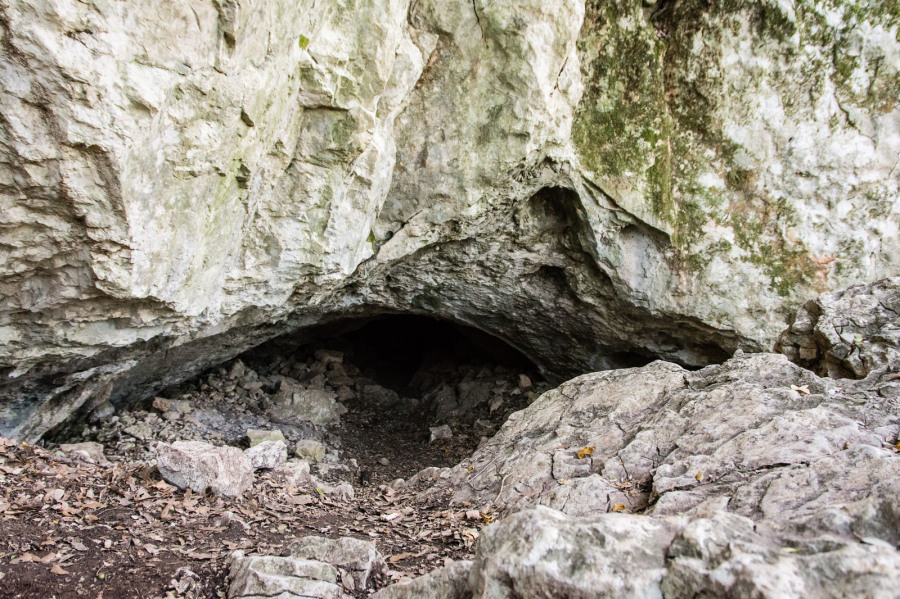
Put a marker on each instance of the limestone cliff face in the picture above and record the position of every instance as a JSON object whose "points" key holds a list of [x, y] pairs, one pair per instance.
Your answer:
{"points": [[182, 180]]}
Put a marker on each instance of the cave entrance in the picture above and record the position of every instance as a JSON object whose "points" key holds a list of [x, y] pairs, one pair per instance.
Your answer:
{"points": [[406, 381], [369, 400]]}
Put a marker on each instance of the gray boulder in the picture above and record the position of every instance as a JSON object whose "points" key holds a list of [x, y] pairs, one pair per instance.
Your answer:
{"points": [[449, 582], [357, 560], [769, 438], [197, 465], [849, 333], [272, 577]]}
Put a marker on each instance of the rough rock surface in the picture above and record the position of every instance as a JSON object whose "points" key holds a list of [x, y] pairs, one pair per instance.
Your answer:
{"points": [[755, 478], [269, 576], [449, 582], [268, 454], [358, 561], [765, 436], [180, 183], [196, 465], [541, 552], [848, 333]]}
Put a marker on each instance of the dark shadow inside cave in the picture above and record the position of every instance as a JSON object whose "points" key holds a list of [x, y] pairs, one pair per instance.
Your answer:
{"points": [[397, 351]]}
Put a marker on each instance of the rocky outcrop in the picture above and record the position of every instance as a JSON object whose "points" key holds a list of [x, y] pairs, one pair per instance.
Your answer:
{"points": [[757, 435], [848, 333], [543, 553], [754, 478], [179, 184]]}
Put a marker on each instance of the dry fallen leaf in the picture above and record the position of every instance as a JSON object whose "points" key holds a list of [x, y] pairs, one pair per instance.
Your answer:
{"points": [[57, 570], [619, 507], [583, 453], [399, 557]]}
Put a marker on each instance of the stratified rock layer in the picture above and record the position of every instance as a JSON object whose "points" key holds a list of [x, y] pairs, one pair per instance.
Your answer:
{"points": [[848, 333], [757, 434], [594, 183]]}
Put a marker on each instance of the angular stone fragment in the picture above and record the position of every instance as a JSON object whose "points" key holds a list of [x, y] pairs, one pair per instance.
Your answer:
{"points": [[269, 576], [449, 582], [140, 430], [259, 436], [268, 454], [197, 465], [356, 559], [88, 451], [311, 450], [294, 474], [293, 403], [439, 433]]}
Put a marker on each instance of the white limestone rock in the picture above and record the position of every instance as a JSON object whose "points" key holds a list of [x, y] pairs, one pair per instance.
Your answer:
{"points": [[267, 455], [197, 465], [258, 576], [358, 561], [218, 175]]}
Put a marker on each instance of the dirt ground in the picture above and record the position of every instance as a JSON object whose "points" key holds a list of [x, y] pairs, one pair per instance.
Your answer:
{"points": [[69, 529]]}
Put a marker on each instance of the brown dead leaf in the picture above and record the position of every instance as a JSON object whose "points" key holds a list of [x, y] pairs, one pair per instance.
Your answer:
{"points": [[56, 569], [399, 557], [50, 557], [25, 558]]}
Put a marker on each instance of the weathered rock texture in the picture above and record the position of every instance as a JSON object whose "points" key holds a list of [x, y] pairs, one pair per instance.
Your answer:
{"points": [[758, 435], [849, 333], [754, 478], [586, 180], [543, 553], [195, 465]]}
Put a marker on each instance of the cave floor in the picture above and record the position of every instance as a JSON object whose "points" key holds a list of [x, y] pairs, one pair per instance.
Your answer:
{"points": [[74, 529]]}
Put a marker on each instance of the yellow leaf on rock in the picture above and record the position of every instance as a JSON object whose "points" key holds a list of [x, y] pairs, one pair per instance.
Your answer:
{"points": [[619, 507], [583, 453], [699, 476]]}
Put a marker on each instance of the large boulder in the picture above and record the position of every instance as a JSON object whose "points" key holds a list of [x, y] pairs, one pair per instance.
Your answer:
{"points": [[848, 333], [196, 465], [758, 433], [592, 182], [541, 552]]}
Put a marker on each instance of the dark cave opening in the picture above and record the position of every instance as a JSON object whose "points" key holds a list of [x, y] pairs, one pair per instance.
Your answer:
{"points": [[396, 350], [372, 391]]}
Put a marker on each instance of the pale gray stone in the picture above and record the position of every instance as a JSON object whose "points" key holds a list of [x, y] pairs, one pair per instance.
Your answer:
{"points": [[294, 474], [848, 333], [448, 582], [356, 559], [440, 433], [256, 436], [267, 455], [310, 450], [197, 465], [87, 451], [269, 576]]}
